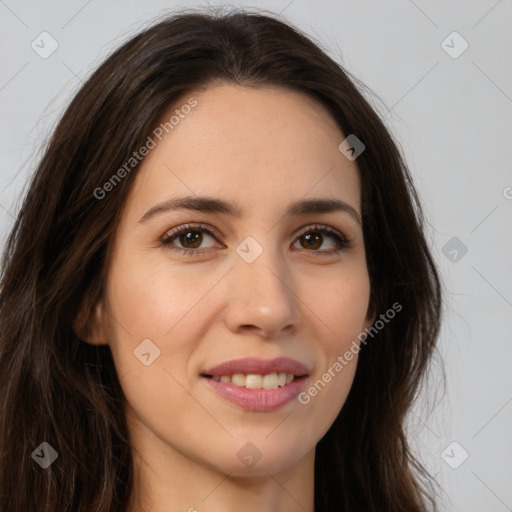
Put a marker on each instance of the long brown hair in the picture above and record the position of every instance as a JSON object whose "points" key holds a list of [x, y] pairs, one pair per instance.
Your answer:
{"points": [[55, 388]]}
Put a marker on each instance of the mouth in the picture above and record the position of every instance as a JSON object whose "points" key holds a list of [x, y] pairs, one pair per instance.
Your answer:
{"points": [[256, 381], [257, 384]]}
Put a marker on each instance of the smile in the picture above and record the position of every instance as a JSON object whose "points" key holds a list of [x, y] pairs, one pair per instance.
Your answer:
{"points": [[255, 381], [257, 384]]}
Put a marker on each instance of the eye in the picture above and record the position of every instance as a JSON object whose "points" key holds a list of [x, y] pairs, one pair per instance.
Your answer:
{"points": [[189, 236], [192, 236], [313, 238]]}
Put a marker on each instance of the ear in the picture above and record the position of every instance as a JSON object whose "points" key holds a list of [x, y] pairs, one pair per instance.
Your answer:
{"points": [[89, 323], [370, 318]]}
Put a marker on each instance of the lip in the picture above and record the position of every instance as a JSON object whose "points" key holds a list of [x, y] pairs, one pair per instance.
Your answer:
{"points": [[258, 400], [259, 366]]}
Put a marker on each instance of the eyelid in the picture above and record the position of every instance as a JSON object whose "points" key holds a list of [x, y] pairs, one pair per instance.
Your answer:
{"points": [[344, 242], [184, 228], [321, 228], [192, 226]]}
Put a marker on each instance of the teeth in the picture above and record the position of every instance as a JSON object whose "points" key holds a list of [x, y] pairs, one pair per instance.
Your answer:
{"points": [[238, 379], [255, 381], [270, 381]]}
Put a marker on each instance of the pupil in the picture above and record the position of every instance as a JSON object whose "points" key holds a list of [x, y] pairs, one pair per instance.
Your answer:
{"points": [[312, 239], [192, 237]]}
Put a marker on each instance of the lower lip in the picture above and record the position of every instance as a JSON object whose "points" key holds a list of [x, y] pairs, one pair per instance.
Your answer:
{"points": [[262, 400]]}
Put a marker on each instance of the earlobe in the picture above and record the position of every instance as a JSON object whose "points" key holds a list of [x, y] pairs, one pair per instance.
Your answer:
{"points": [[89, 326], [369, 319]]}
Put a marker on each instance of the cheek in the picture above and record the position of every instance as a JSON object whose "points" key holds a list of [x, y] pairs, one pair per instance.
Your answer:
{"points": [[151, 297], [343, 307], [341, 311], [152, 333], [152, 309], [342, 304]]}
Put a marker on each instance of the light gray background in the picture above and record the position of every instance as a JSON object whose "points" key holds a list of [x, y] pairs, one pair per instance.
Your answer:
{"points": [[452, 117]]}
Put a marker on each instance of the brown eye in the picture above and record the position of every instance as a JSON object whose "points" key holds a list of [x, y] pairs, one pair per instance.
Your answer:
{"points": [[312, 241], [189, 237], [314, 237]]}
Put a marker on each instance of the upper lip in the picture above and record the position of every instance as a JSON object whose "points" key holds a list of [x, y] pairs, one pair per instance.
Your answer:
{"points": [[259, 367]]}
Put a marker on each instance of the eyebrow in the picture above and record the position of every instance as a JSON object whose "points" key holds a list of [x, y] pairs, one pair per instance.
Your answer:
{"points": [[219, 206]]}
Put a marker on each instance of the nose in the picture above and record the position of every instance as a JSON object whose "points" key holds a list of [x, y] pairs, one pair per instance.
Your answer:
{"points": [[262, 297]]}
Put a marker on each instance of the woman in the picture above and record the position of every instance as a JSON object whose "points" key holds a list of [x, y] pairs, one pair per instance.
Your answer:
{"points": [[217, 293]]}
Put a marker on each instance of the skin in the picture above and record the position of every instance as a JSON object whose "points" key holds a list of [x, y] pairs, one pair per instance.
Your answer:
{"points": [[261, 148]]}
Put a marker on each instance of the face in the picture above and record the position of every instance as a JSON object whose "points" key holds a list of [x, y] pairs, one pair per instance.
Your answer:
{"points": [[210, 312]]}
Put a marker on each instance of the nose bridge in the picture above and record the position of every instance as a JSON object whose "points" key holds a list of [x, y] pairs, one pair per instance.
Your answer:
{"points": [[261, 288]]}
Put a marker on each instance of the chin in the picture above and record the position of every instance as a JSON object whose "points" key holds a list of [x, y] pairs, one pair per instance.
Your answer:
{"points": [[257, 456]]}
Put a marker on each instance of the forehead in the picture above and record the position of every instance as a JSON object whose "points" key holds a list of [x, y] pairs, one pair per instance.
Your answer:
{"points": [[250, 145]]}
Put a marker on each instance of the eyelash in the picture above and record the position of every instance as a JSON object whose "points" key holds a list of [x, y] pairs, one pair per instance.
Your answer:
{"points": [[341, 241]]}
